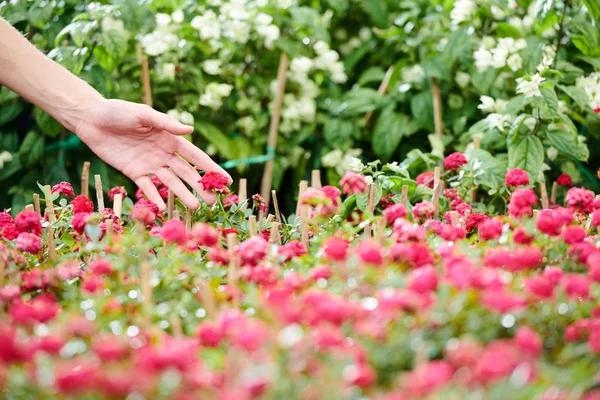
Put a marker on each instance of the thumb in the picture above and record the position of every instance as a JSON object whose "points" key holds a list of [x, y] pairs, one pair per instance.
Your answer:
{"points": [[165, 122]]}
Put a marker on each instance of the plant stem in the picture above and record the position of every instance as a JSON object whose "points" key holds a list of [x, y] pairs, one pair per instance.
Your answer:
{"points": [[561, 31]]}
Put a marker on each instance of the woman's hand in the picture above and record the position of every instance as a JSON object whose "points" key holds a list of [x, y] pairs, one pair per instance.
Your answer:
{"points": [[137, 140]]}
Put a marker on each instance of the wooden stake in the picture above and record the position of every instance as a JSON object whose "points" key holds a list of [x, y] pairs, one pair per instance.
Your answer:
{"points": [[85, 179], [476, 142], [315, 179], [99, 192], [304, 214], [554, 192], [276, 206], [29, 207], [267, 178], [303, 187], [252, 225], [36, 204], [170, 204], [544, 195], [243, 193], [437, 188], [379, 231], [147, 97], [383, 87], [188, 219], [270, 218], [404, 199], [118, 205], [437, 107], [146, 287], [232, 273], [176, 328], [2, 268], [49, 204], [454, 218], [371, 192], [176, 214], [110, 226], [274, 237], [50, 231], [207, 297]]}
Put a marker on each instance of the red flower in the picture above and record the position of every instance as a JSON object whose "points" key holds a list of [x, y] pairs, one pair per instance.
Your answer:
{"points": [[41, 309], [79, 221], [93, 284], [577, 285], [82, 204], [335, 249], [101, 266], [521, 202], [540, 286], [143, 215], [210, 334], [475, 221], [564, 180], [75, 377], [520, 236], [29, 243], [516, 177], [580, 199], [218, 255], [253, 250], [423, 210], [227, 231], [455, 161], [490, 229], [117, 190], [426, 178], [370, 252], [530, 341], [393, 212], [292, 250], [5, 219], [173, 231], [415, 254], [28, 221], [230, 200], [10, 232], [332, 194], [353, 183], [63, 188], [215, 181], [205, 235], [260, 203], [574, 234], [361, 375], [423, 280], [427, 378]]}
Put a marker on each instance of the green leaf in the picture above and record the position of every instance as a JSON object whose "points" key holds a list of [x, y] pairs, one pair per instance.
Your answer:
{"points": [[363, 198], [289, 47], [550, 96], [578, 95], [591, 60], [360, 101], [594, 8], [526, 153], [421, 107], [494, 169], [504, 29], [542, 7], [32, 148], [338, 132], [47, 124], [565, 142], [388, 132], [8, 112], [11, 168], [516, 104], [373, 74], [79, 31], [351, 60], [41, 12], [483, 81], [7, 95], [378, 11], [338, 6]]}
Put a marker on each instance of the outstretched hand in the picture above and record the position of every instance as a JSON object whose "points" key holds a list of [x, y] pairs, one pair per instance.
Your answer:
{"points": [[137, 140]]}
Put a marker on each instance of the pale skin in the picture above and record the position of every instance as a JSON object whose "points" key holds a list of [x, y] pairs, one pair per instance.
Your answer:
{"points": [[133, 138]]}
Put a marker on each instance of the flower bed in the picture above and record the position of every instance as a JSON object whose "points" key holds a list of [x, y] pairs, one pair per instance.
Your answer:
{"points": [[400, 291]]}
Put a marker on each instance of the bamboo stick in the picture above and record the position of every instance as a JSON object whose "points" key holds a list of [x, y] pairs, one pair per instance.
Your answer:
{"points": [[554, 192], [176, 327], [383, 87], [50, 231], [303, 186], [454, 218], [2, 268], [188, 219], [49, 203], [437, 188], [147, 96], [36, 204], [304, 214], [85, 179], [232, 273], [110, 226], [146, 287], [274, 237], [267, 178], [270, 218], [118, 204], [404, 199], [170, 204], [276, 206], [476, 142], [99, 192], [252, 225], [544, 195], [315, 179], [437, 107], [29, 207], [371, 192], [176, 214], [243, 193], [207, 297]]}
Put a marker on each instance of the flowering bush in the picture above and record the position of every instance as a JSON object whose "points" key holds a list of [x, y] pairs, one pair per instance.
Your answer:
{"points": [[389, 294], [518, 75]]}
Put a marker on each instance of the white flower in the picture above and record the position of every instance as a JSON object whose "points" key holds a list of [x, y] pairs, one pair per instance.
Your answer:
{"points": [[234, 10], [530, 88], [356, 165], [365, 34], [212, 67], [463, 10], [247, 123], [284, 3], [157, 42], [530, 123], [507, 44], [333, 158], [325, 60], [591, 85], [483, 59], [263, 19], [167, 71], [496, 121], [163, 20], [208, 25], [321, 47], [520, 44], [497, 13], [5, 158], [512, 4], [173, 113], [178, 16], [369, 180], [270, 32], [415, 73], [516, 22], [462, 79], [338, 75], [310, 89], [487, 42], [213, 96], [301, 65], [307, 109], [239, 31], [514, 62], [110, 24], [501, 106], [186, 118], [487, 105], [499, 55], [262, 3]]}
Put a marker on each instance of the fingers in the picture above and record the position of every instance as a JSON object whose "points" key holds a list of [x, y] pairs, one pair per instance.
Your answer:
{"points": [[165, 122], [168, 178], [150, 191], [199, 158], [189, 174]]}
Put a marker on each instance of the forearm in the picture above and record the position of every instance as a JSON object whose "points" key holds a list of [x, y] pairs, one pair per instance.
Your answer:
{"points": [[43, 82]]}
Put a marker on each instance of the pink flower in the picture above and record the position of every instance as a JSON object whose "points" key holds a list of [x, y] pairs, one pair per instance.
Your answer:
{"points": [[117, 190], [292, 250], [69, 270], [370, 252], [333, 194], [335, 249], [423, 280], [423, 210], [551, 222], [353, 183], [101, 266], [322, 271], [577, 285], [230, 200], [218, 255], [110, 348], [455, 161], [427, 378], [173, 231], [143, 215], [594, 342], [253, 250], [530, 341], [490, 229], [5, 219], [474, 221], [451, 194], [595, 219], [516, 177], [521, 202], [260, 203], [35, 278], [12, 349], [79, 221], [394, 212], [215, 181], [574, 234], [314, 197], [75, 377], [564, 180], [499, 360], [41, 309], [414, 254], [63, 188], [28, 221], [580, 199], [210, 334], [93, 284], [143, 202], [361, 375], [82, 204], [29, 243], [540, 286], [10, 232], [50, 344], [554, 274], [502, 301], [426, 178], [205, 235]]}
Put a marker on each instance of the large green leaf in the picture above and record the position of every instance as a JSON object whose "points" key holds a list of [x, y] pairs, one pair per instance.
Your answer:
{"points": [[494, 168], [421, 107], [338, 132], [377, 10], [593, 7], [47, 124], [32, 148], [8, 112], [80, 31], [362, 199], [550, 96], [459, 42], [578, 95], [373, 74], [389, 130], [526, 153], [567, 143], [361, 101]]}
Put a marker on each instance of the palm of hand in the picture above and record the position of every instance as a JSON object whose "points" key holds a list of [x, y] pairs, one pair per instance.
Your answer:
{"points": [[139, 141]]}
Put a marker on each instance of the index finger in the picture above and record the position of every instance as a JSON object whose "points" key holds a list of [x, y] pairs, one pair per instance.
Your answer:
{"points": [[199, 158]]}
